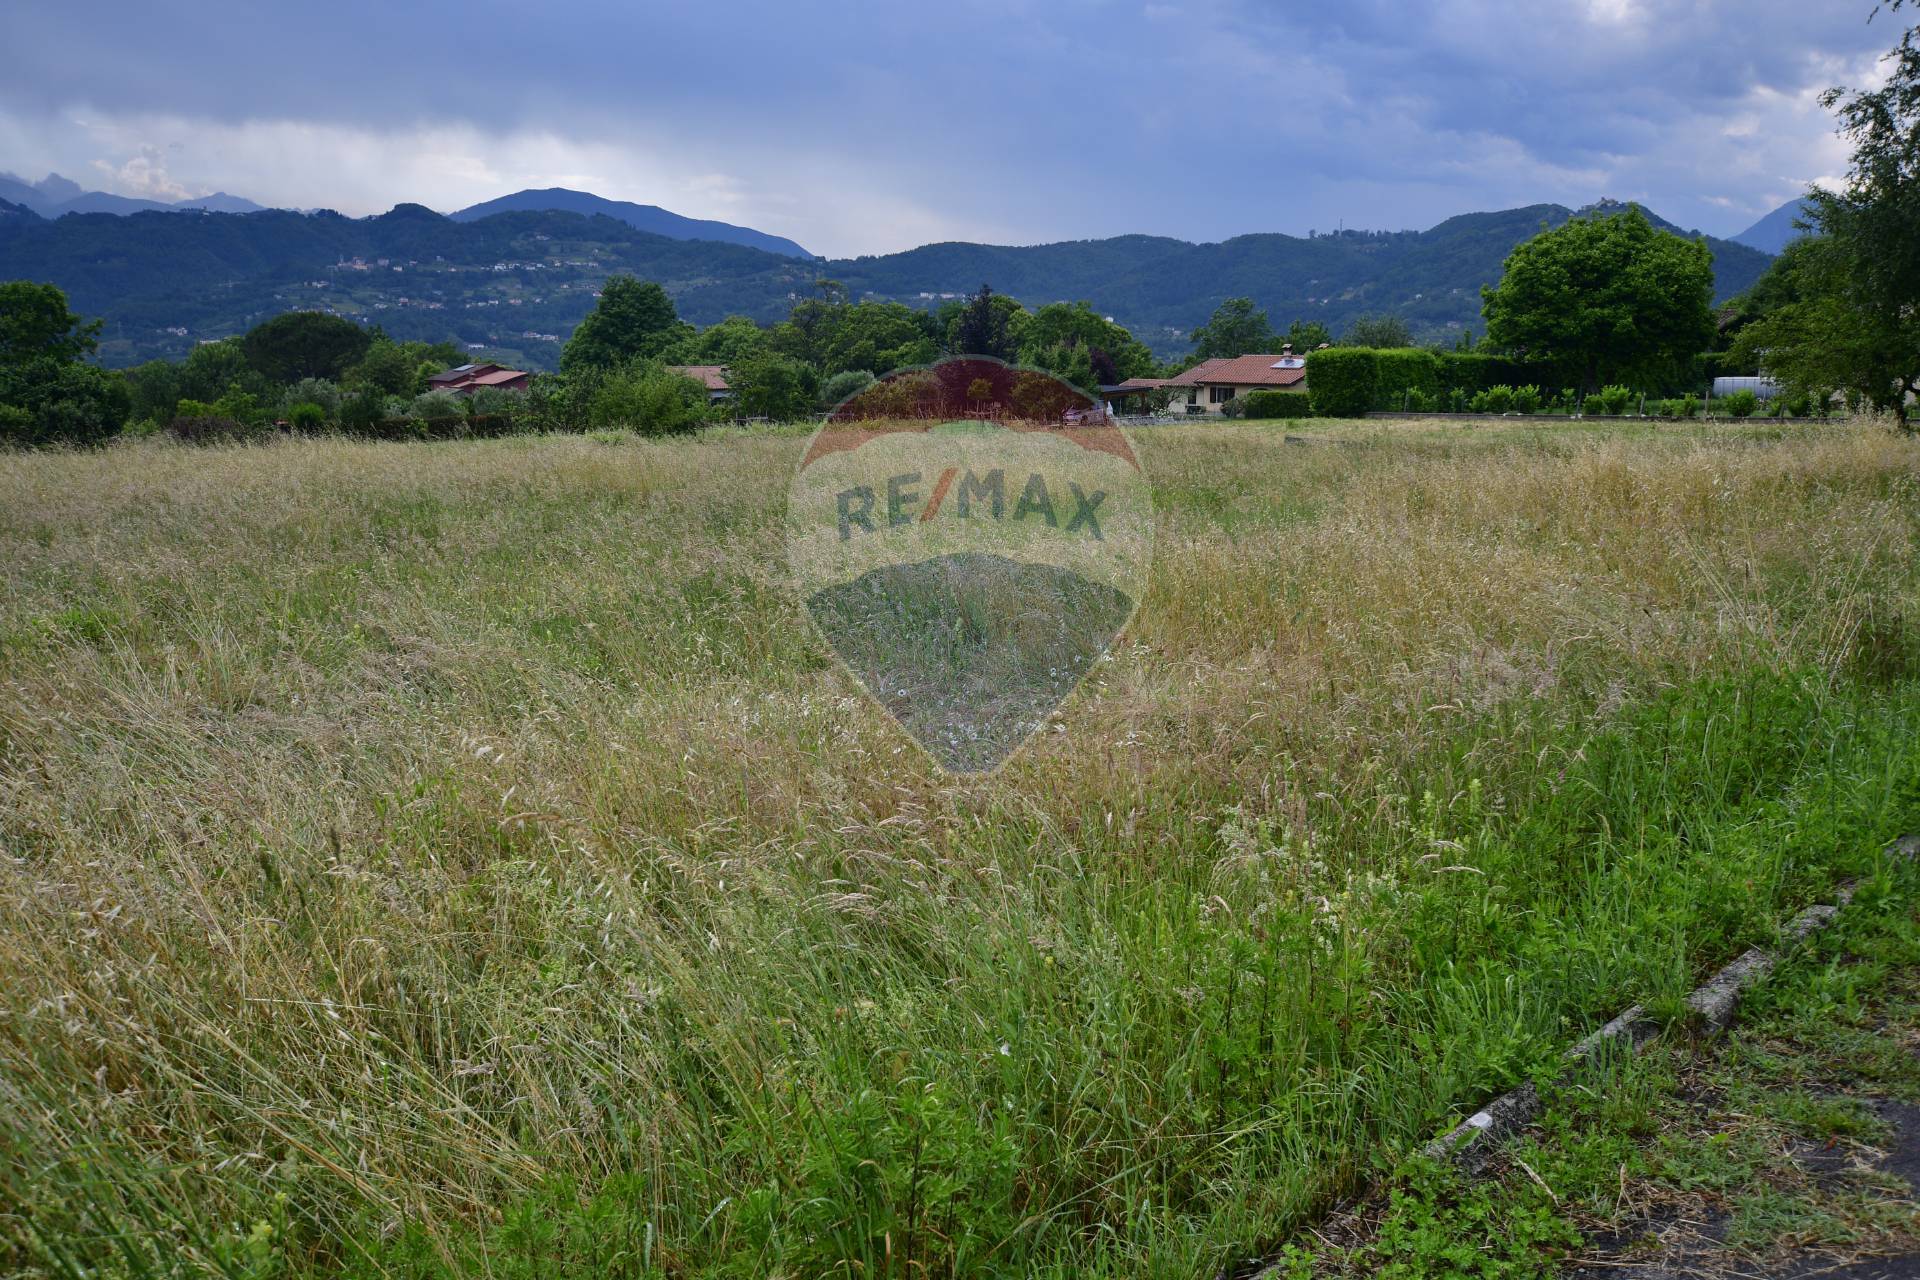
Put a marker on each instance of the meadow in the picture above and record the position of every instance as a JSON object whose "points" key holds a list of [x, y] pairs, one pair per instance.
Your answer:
{"points": [[465, 858]]}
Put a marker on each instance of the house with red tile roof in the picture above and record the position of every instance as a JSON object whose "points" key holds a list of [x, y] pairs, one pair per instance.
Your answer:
{"points": [[464, 380], [711, 376], [1211, 385]]}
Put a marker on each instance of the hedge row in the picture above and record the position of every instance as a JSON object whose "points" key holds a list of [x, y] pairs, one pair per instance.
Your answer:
{"points": [[1276, 404], [1346, 382]]}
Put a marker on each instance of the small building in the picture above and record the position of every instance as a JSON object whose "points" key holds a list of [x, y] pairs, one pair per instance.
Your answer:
{"points": [[711, 376], [1762, 388], [1211, 385], [464, 380], [1135, 395]]}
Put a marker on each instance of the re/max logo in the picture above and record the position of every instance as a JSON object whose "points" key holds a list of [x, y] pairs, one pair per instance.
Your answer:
{"points": [[904, 505]]}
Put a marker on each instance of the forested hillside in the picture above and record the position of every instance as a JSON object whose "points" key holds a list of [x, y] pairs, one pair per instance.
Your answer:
{"points": [[516, 283]]}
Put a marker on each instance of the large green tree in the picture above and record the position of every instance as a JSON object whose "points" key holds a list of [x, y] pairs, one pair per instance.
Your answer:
{"points": [[733, 339], [833, 335], [1112, 353], [212, 367], [1308, 335], [399, 368], [878, 336], [633, 320], [1823, 340], [1379, 332], [48, 392], [1843, 313], [769, 385], [985, 327], [1069, 362], [304, 344], [1606, 299], [1236, 328], [37, 324]]}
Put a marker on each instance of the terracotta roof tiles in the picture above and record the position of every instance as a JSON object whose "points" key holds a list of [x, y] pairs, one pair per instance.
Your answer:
{"points": [[1245, 371]]}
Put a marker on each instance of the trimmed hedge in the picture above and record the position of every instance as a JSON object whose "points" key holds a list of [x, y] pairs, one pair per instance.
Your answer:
{"points": [[1346, 382], [1342, 381], [1473, 372], [1276, 404], [1404, 370]]}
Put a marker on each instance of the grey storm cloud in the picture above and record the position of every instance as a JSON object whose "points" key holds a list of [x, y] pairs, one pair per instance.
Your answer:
{"points": [[1027, 120]]}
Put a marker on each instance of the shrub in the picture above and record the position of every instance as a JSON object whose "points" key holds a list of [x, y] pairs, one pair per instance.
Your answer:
{"points": [[1457, 400], [1799, 406], [1034, 396], [1687, 406], [1741, 404], [306, 416], [848, 382], [311, 391], [488, 402], [1415, 402], [1494, 400], [557, 401], [1277, 404], [647, 399], [1342, 381], [47, 401], [15, 423], [1526, 399], [1612, 399], [363, 410], [437, 404]]}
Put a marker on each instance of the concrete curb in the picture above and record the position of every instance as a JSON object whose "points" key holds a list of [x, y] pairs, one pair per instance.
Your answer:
{"points": [[1472, 1144]]}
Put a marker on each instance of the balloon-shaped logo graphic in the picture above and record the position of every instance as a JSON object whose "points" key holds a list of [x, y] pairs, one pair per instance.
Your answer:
{"points": [[970, 538]]}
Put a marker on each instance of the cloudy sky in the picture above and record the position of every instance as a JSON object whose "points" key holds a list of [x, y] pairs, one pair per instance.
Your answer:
{"points": [[871, 127]]}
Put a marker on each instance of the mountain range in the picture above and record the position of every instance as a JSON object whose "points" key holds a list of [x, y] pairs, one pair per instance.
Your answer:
{"points": [[54, 196], [645, 217], [513, 283], [1775, 231]]}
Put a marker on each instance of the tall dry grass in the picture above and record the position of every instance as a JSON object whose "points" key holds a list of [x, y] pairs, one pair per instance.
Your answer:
{"points": [[394, 835]]}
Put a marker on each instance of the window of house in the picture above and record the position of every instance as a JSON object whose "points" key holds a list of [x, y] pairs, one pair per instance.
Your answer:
{"points": [[1219, 395], [1193, 397]]}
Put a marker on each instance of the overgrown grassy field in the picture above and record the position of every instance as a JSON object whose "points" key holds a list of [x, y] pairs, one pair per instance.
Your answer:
{"points": [[465, 858]]}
